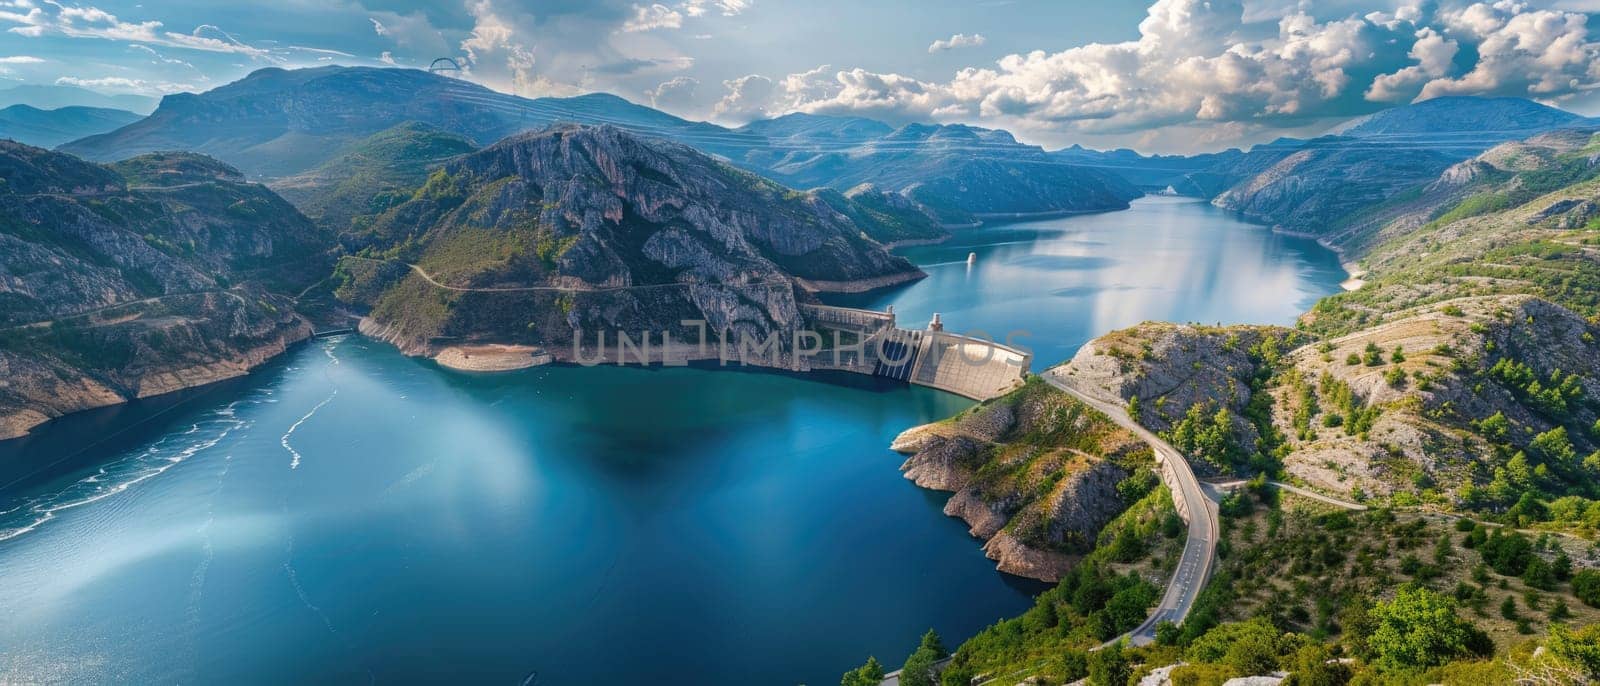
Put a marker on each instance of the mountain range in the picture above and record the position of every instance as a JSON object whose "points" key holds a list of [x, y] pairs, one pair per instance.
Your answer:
{"points": [[49, 128], [639, 233], [50, 97], [423, 180], [280, 124], [276, 123]]}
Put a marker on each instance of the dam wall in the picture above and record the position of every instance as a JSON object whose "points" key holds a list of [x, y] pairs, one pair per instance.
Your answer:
{"points": [[870, 342]]}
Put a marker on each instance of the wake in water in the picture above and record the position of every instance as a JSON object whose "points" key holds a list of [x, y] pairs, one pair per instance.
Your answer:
{"points": [[294, 455], [122, 474], [305, 599]]}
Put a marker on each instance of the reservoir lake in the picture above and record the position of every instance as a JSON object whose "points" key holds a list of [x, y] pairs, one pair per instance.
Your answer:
{"points": [[348, 514]]}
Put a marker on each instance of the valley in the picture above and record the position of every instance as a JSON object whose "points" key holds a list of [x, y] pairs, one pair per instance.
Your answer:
{"points": [[1195, 299]]}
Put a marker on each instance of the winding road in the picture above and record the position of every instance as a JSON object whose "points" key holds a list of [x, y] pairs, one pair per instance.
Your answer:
{"points": [[1199, 551], [559, 289]]}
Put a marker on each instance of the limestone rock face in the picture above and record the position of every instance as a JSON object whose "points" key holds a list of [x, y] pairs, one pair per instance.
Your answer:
{"points": [[1424, 422], [155, 274], [1308, 191], [1033, 473], [1170, 367], [644, 233]]}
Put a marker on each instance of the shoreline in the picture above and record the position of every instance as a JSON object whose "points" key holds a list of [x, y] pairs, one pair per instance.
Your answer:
{"points": [[492, 357], [861, 285], [914, 242], [1352, 269], [24, 421]]}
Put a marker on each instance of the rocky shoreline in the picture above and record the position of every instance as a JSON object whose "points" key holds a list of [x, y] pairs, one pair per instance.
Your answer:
{"points": [[862, 285], [1037, 504], [82, 393]]}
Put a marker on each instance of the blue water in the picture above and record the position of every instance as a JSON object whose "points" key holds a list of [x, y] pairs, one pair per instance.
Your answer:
{"points": [[1065, 281], [349, 515]]}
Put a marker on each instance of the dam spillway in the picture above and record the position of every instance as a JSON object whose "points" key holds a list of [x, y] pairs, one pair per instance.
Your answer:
{"points": [[870, 342]]}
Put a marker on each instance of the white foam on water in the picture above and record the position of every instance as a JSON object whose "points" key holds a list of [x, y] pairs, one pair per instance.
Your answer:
{"points": [[294, 455], [120, 475]]}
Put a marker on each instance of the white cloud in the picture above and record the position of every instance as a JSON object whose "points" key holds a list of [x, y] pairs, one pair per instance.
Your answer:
{"points": [[1540, 54], [93, 22], [121, 84], [21, 59], [675, 95], [728, 8], [387, 58], [1434, 55], [156, 57], [378, 27], [1200, 60], [748, 98], [652, 17], [493, 37], [960, 40]]}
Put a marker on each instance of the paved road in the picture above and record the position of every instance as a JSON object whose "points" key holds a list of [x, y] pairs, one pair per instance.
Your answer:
{"points": [[562, 289], [1345, 504], [1199, 551]]}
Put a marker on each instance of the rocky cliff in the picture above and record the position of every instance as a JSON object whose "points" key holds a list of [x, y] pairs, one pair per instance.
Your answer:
{"points": [[591, 229], [160, 273], [1161, 370], [1035, 474], [1313, 188]]}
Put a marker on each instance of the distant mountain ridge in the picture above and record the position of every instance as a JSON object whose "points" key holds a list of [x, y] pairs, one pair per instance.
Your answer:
{"points": [[1500, 119], [277, 123], [49, 128], [282, 123], [50, 97]]}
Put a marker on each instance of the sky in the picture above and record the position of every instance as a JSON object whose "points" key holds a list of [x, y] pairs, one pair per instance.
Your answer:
{"points": [[1171, 76]]}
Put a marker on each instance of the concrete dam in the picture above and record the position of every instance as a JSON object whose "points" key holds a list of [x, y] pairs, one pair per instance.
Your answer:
{"points": [[869, 342]]}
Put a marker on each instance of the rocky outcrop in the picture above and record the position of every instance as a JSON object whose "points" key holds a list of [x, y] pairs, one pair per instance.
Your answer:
{"points": [[1315, 188], [591, 231], [156, 274], [1034, 474], [1163, 369], [139, 351], [1391, 410]]}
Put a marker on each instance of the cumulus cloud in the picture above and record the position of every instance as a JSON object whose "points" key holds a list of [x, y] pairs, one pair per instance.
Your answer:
{"points": [[493, 45], [1435, 57], [748, 98], [1542, 53], [387, 58], [1203, 61], [675, 95], [652, 17], [960, 40], [411, 32], [576, 46]]}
